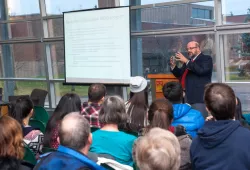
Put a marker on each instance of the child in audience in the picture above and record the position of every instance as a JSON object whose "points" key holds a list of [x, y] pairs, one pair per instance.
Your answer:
{"points": [[109, 140], [184, 114], [137, 105], [70, 102], [11, 145], [22, 111], [160, 115]]}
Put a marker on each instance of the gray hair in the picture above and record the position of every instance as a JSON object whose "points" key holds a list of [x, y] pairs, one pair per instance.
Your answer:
{"points": [[74, 131], [113, 111], [158, 149]]}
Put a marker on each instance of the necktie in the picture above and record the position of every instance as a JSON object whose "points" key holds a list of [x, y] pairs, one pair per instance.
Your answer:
{"points": [[183, 78]]}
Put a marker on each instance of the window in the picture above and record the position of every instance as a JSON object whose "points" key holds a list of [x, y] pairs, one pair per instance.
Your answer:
{"points": [[201, 13]]}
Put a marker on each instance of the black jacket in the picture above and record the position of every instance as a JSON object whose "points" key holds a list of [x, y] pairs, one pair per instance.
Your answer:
{"points": [[199, 74]]}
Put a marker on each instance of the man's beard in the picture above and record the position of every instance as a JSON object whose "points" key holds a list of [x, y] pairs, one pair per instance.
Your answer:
{"points": [[191, 55]]}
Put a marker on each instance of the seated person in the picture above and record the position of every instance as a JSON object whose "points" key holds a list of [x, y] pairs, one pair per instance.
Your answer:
{"points": [[184, 115], [75, 139], [109, 140], [91, 109], [159, 149], [22, 111], [70, 102], [11, 145], [136, 106], [160, 114], [222, 143]]}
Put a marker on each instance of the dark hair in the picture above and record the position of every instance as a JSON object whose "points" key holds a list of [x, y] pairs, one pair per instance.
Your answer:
{"points": [[173, 91], [21, 108], [220, 101], [138, 105], [160, 114], [70, 102], [96, 92], [113, 111], [75, 135]]}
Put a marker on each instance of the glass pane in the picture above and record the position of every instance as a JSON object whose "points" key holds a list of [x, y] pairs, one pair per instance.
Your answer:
{"points": [[23, 9], [236, 50], [55, 7], [23, 60], [156, 52], [55, 27], [29, 29], [169, 17], [235, 12], [243, 93], [61, 90], [11, 88], [57, 59]]}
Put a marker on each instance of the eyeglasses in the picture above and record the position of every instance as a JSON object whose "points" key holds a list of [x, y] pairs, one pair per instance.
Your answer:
{"points": [[190, 48]]}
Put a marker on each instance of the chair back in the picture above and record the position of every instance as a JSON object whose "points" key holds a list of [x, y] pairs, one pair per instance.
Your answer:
{"points": [[38, 97], [37, 124], [41, 114], [29, 155]]}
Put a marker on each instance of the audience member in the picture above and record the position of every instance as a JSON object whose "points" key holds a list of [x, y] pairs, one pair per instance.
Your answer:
{"points": [[137, 105], [22, 111], [184, 114], [157, 150], [109, 140], [11, 145], [90, 110], [75, 139], [239, 116], [160, 115], [222, 143], [70, 102]]}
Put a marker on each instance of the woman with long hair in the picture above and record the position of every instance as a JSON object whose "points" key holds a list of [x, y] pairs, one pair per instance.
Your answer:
{"points": [[22, 111], [11, 145], [160, 114], [137, 105], [70, 102]]}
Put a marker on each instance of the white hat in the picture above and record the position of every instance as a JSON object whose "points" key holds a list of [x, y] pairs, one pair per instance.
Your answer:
{"points": [[137, 84]]}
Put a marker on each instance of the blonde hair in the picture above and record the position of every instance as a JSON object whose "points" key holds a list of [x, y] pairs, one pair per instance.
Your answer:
{"points": [[11, 138], [158, 149]]}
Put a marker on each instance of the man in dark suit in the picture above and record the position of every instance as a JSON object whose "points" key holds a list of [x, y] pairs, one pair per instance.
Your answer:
{"points": [[194, 74]]}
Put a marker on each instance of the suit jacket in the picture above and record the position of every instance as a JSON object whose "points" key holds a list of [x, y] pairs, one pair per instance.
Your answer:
{"points": [[199, 74]]}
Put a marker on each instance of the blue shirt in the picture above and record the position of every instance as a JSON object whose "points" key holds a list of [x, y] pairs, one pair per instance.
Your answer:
{"points": [[117, 144]]}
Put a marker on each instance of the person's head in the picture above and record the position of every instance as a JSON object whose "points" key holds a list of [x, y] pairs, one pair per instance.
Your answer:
{"points": [[220, 101], [138, 101], [74, 132], [113, 111], [22, 108], [173, 92], [160, 114], [159, 149], [193, 48], [11, 138], [96, 93], [70, 102], [238, 112]]}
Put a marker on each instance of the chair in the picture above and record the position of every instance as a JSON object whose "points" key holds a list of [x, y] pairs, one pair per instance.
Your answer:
{"points": [[41, 114], [46, 150], [37, 124], [38, 97], [29, 155]]}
